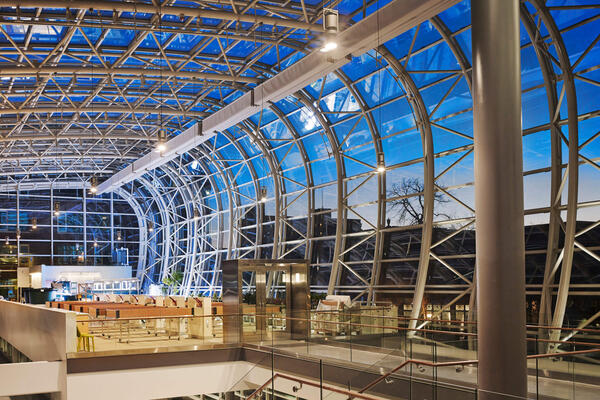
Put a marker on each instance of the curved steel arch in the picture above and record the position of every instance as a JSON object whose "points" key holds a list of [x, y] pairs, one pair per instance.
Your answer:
{"points": [[572, 172], [275, 170]]}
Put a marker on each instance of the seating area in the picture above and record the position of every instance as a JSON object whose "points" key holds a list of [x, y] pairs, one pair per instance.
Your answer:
{"points": [[130, 319]]}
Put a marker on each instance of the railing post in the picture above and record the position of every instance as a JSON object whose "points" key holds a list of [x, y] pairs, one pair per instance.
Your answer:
{"points": [[537, 371], [434, 372], [272, 372], [321, 378]]}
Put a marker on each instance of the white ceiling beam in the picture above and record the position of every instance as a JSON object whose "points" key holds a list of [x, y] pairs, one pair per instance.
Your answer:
{"points": [[387, 23], [43, 185]]}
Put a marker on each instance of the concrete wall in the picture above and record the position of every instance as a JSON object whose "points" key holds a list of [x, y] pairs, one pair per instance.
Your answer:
{"points": [[42, 334], [30, 378], [163, 382]]}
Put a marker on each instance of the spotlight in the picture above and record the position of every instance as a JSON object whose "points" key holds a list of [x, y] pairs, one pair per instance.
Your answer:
{"points": [[34, 224], [18, 234], [263, 194], [161, 146], [93, 187], [380, 163], [6, 241], [331, 20], [56, 209], [331, 24], [150, 227], [118, 235], [196, 215], [95, 244]]}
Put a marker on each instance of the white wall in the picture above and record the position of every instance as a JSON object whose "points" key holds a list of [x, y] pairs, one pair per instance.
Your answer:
{"points": [[42, 334], [189, 380], [153, 383], [30, 378], [80, 273]]}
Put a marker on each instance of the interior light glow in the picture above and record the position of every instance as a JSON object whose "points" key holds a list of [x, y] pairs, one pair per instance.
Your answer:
{"points": [[329, 46], [161, 147], [93, 187]]}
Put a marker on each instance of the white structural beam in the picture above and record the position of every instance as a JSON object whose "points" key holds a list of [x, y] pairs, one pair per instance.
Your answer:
{"points": [[43, 185], [387, 23]]}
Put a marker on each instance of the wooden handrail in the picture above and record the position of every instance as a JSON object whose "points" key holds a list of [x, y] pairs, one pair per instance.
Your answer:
{"points": [[309, 383], [455, 321], [467, 362], [274, 316], [360, 394]]}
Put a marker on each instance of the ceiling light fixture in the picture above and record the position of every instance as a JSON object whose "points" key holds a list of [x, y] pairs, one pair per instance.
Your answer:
{"points": [[94, 185], [161, 147], [34, 224], [331, 25], [380, 163], [56, 209], [263, 194]]}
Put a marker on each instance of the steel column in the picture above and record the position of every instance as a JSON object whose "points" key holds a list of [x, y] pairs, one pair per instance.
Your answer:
{"points": [[500, 248]]}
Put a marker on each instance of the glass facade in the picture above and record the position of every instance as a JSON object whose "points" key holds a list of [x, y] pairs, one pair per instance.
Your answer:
{"points": [[67, 227], [337, 172]]}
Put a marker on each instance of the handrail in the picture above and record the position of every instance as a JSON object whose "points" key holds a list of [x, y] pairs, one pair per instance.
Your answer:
{"points": [[466, 362], [398, 328], [309, 383], [561, 354], [398, 318], [546, 327], [416, 362], [347, 323], [360, 394]]}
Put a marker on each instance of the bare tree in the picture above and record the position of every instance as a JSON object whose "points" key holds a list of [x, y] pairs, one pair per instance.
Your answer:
{"points": [[408, 201]]}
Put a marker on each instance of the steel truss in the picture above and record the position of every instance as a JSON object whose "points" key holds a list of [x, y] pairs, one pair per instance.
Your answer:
{"points": [[206, 205]]}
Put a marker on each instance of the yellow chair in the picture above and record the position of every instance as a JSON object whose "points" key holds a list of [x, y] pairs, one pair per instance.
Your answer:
{"points": [[83, 340]]}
